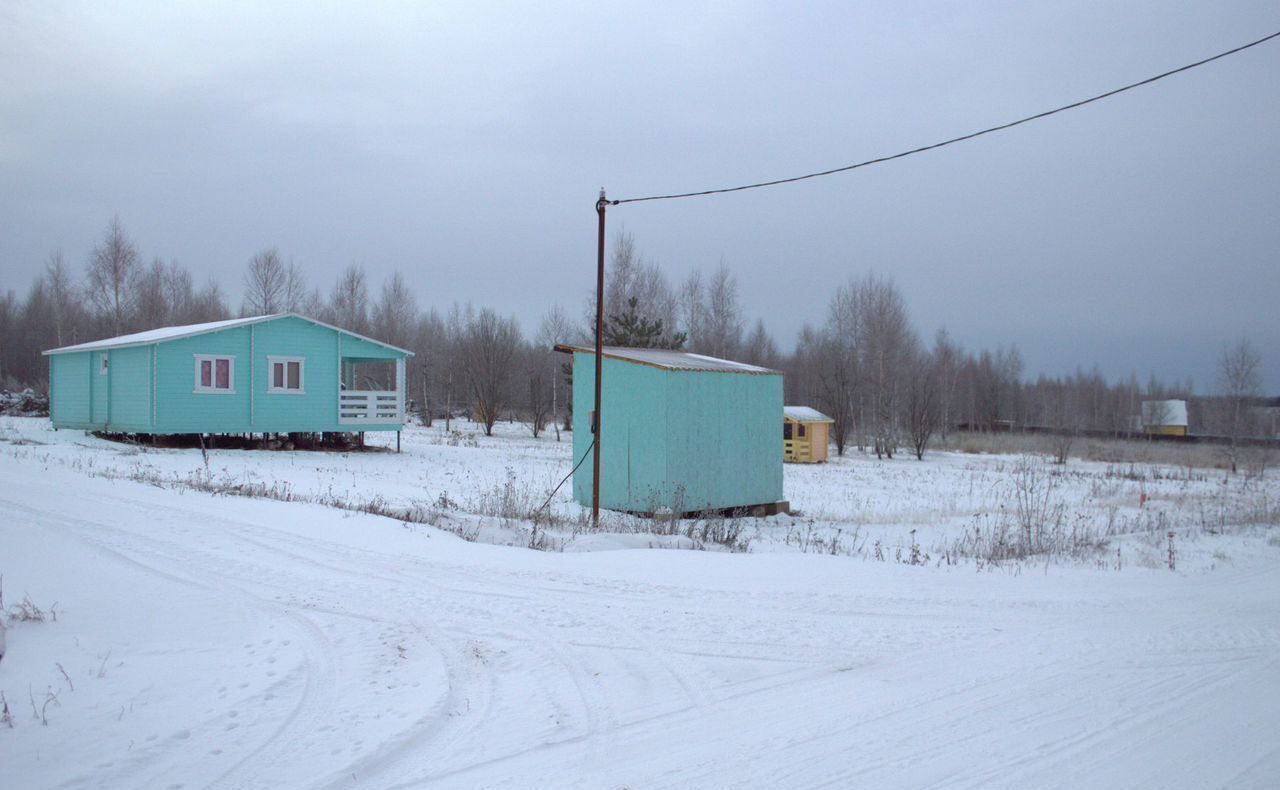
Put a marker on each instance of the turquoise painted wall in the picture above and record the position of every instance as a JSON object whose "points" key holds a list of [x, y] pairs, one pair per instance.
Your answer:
{"points": [[69, 389], [179, 409], [691, 440], [99, 409], [129, 383], [723, 440], [84, 399]]}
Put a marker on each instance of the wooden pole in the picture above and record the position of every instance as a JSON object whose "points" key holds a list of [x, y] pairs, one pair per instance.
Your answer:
{"points": [[596, 422]]}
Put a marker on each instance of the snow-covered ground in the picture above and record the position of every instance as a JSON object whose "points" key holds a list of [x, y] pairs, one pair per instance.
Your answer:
{"points": [[209, 640]]}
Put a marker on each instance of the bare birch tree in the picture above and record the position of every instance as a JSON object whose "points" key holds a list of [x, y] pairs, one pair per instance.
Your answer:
{"points": [[489, 347], [349, 303], [759, 348], [63, 300], [264, 284], [724, 316], [110, 276], [555, 329], [1240, 380], [395, 315]]}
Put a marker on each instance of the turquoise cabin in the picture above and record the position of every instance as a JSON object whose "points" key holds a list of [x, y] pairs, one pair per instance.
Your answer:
{"points": [[272, 374], [680, 432]]}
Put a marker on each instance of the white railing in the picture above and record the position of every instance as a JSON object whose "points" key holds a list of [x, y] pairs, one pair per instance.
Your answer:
{"points": [[369, 406]]}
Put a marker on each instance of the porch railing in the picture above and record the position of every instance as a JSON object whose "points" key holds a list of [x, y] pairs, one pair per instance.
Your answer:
{"points": [[369, 406]]}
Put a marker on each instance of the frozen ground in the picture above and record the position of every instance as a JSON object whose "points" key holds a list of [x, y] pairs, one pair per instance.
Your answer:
{"points": [[225, 641]]}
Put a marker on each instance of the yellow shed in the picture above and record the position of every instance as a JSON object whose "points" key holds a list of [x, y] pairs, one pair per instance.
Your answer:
{"points": [[804, 435]]}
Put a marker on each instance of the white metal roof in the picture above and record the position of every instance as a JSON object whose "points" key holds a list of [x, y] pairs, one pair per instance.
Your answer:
{"points": [[804, 414], [672, 360], [168, 333]]}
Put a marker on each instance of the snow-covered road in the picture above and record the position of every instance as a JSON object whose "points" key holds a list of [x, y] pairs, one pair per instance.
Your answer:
{"points": [[217, 642]]}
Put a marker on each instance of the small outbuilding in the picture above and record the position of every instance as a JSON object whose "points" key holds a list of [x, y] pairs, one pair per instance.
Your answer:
{"points": [[681, 432], [804, 435], [1164, 417], [271, 374]]}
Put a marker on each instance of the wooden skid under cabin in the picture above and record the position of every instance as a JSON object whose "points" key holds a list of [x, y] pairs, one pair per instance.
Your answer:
{"points": [[681, 432], [272, 374]]}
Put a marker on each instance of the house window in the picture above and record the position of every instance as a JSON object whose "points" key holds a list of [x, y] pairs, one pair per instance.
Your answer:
{"points": [[786, 431], [102, 363], [800, 428], [285, 375], [215, 374]]}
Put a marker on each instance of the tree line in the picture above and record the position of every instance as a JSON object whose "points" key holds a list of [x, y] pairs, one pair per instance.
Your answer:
{"points": [[887, 388]]}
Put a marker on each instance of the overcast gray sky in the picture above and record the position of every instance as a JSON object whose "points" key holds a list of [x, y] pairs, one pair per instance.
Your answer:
{"points": [[464, 144]]}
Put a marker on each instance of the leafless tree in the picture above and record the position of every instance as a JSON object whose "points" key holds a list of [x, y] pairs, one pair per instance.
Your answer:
{"points": [[836, 356], [693, 310], [886, 340], [395, 316], [9, 321], [921, 407], [631, 277], [431, 357], [349, 304], [298, 296], [759, 348], [1239, 380], [152, 300], [489, 347], [724, 317], [264, 284], [110, 275], [556, 328], [540, 376], [209, 303], [946, 363], [63, 302]]}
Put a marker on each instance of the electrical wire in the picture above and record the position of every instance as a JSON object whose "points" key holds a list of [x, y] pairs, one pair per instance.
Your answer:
{"points": [[953, 140], [590, 447]]}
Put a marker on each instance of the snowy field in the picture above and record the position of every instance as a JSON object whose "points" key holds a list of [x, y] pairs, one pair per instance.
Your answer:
{"points": [[242, 623]]}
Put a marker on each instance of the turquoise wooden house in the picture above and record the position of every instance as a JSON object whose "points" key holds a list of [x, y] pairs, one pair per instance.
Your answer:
{"points": [[271, 374], [680, 432]]}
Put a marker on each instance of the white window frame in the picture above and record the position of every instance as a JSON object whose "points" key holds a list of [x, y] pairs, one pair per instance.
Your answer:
{"points": [[272, 389], [214, 389], [104, 363]]}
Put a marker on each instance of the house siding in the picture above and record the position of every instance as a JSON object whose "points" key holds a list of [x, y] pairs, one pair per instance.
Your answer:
{"points": [[70, 385], [129, 390], [179, 409], [152, 388], [318, 405]]}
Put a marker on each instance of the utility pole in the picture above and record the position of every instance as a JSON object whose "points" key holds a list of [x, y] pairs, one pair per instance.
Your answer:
{"points": [[595, 415]]}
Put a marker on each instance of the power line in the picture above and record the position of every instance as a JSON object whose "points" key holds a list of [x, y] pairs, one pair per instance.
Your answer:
{"points": [[962, 138]]}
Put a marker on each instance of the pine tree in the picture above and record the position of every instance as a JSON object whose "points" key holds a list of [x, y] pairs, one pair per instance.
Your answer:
{"points": [[632, 330]]}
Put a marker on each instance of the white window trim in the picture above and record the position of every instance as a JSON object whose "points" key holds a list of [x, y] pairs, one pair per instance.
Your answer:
{"points": [[272, 389], [231, 374], [103, 363]]}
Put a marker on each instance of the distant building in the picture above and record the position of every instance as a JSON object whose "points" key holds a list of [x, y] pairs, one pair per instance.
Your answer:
{"points": [[1164, 417], [804, 435], [270, 374], [680, 432]]}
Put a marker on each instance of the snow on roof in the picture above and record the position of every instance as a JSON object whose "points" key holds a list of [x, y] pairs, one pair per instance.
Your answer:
{"points": [[1164, 412], [804, 414], [168, 333], [672, 360]]}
